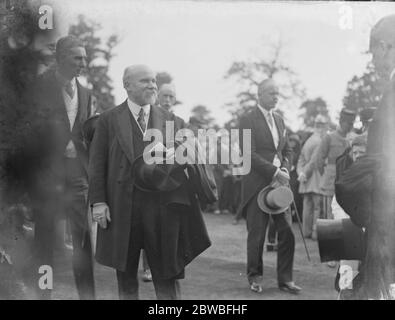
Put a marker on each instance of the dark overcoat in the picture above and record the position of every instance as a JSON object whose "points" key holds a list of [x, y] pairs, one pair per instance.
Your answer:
{"points": [[183, 234]]}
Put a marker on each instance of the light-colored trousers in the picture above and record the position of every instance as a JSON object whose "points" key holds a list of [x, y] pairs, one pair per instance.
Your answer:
{"points": [[311, 212], [327, 207]]}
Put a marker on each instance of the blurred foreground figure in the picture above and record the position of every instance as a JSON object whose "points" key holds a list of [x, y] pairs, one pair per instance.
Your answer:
{"points": [[61, 189], [351, 289], [380, 260]]}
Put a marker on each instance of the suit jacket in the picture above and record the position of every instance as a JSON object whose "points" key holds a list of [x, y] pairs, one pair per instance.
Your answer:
{"points": [[50, 98], [111, 181], [262, 153]]}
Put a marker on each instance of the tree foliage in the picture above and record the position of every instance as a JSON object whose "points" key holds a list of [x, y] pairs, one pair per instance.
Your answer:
{"points": [[248, 74], [99, 54], [203, 114], [363, 91], [311, 108]]}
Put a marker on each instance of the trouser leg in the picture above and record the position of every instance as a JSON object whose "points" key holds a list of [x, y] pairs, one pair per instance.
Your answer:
{"points": [[317, 200], [286, 248], [44, 235], [77, 214], [271, 233], [256, 226], [128, 286], [307, 214], [82, 262], [327, 200]]}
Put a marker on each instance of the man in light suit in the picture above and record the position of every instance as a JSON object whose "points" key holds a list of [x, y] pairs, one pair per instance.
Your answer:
{"points": [[270, 159], [61, 188], [129, 218]]}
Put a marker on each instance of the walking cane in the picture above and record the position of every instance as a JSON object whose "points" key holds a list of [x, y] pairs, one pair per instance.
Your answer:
{"points": [[300, 229]]}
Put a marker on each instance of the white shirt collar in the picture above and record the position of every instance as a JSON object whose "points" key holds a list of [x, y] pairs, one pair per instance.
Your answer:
{"points": [[265, 112], [135, 108]]}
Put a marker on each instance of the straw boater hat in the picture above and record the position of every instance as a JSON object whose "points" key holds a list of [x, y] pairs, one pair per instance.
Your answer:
{"points": [[275, 200]]}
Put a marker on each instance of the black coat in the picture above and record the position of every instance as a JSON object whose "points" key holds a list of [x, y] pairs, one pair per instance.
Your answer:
{"points": [[183, 236], [51, 136]]}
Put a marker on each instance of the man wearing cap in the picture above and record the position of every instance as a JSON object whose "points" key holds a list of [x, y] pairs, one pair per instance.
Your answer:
{"points": [[62, 188], [332, 146], [270, 159], [129, 218], [309, 178], [380, 257]]}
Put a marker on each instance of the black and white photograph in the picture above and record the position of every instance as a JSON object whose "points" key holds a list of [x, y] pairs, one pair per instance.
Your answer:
{"points": [[197, 150]]}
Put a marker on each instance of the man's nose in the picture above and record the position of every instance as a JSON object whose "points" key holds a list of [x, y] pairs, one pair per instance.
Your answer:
{"points": [[152, 85]]}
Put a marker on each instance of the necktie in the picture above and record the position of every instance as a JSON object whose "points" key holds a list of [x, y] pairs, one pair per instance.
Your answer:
{"points": [[69, 90], [270, 120], [141, 120]]}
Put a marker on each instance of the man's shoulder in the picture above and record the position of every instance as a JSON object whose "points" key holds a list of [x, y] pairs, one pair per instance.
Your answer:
{"points": [[46, 79], [162, 112], [107, 114], [167, 115]]}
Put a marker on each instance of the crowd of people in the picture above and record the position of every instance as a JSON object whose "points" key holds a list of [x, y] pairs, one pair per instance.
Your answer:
{"points": [[98, 177]]}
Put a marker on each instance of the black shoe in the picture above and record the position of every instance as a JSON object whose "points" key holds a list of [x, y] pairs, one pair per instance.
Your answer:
{"points": [[290, 287], [256, 287]]}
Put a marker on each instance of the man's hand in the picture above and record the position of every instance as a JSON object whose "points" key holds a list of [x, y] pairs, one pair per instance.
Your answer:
{"points": [[101, 214], [302, 177], [282, 177]]}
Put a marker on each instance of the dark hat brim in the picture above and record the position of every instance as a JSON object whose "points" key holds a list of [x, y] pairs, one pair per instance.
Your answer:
{"points": [[157, 177]]}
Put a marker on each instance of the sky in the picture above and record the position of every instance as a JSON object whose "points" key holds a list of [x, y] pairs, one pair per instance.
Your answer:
{"points": [[197, 41]]}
